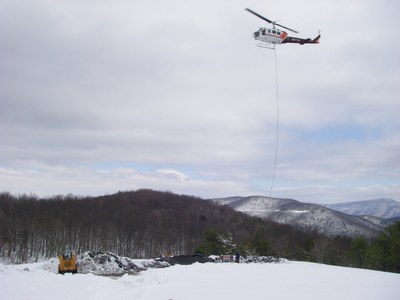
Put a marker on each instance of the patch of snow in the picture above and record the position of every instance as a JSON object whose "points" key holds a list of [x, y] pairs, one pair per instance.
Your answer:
{"points": [[291, 280]]}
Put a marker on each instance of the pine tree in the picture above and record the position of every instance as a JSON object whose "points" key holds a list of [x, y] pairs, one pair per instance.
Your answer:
{"points": [[384, 253], [358, 252]]}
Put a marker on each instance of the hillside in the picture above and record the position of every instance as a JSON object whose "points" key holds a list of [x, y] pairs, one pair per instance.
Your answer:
{"points": [[138, 224], [385, 208], [302, 215]]}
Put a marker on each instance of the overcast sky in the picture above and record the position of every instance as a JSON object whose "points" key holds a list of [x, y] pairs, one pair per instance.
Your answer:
{"points": [[104, 96]]}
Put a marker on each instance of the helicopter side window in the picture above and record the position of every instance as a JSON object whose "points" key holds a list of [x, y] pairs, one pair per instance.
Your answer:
{"points": [[263, 32], [274, 31], [269, 30], [279, 33]]}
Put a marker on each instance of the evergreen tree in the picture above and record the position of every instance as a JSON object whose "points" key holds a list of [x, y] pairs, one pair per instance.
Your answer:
{"points": [[384, 253], [215, 242], [260, 245], [358, 252], [394, 246]]}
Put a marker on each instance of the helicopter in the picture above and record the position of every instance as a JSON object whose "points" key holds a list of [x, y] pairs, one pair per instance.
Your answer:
{"points": [[268, 36]]}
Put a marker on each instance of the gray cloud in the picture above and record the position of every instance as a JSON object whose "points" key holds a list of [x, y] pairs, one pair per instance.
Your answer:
{"points": [[96, 98]]}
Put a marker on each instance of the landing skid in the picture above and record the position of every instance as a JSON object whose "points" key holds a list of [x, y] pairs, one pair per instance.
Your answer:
{"points": [[267, 46]]}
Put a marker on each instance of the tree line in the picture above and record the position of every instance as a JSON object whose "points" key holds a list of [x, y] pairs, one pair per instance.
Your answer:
{"points": [[138, 224], [381, 253], [147, 223]]}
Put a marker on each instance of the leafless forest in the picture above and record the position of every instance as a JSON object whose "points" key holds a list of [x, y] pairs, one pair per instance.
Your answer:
{"points": [[137, 224]]}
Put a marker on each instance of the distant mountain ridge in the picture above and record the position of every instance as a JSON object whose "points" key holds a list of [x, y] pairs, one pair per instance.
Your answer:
{"points": [[383, 208], [303, 215]]}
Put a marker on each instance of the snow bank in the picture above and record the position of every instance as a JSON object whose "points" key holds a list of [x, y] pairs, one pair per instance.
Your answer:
{"points": [[292, 280]]}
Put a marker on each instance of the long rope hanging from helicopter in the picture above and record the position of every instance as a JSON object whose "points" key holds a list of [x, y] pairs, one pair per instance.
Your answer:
{"points": [[277, 124], [269, 38]]}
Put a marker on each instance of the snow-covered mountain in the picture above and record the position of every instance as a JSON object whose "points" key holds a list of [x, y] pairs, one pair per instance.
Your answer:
{"points": [[303, 215], [383, 208]]}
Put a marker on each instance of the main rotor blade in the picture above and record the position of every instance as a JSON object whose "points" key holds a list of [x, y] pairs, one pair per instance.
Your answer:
{"points": [[269, 21], [260, 16], [292, 30]]}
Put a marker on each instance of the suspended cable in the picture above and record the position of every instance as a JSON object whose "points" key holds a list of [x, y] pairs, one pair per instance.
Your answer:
{"points": [[277, 123]]}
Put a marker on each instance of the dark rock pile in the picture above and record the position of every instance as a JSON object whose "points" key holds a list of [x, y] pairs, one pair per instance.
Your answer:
{"points": [[106, 263]]}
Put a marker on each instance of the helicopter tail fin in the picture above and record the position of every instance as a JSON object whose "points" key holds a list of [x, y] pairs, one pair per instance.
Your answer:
{"points": [[316, 40]]}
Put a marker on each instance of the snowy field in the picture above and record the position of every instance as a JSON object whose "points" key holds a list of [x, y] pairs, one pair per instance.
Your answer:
{"points": [[291, 280]]}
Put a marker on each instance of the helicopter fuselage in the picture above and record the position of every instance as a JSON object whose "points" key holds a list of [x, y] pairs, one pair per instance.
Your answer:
{"points": [[270, 35], [273, 36]]}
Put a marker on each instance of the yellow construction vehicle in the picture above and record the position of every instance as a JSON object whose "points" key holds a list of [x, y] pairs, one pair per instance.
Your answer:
{"points": [[67, 263]]}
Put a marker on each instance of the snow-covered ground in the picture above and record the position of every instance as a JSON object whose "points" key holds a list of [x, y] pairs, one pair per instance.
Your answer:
{"points": [[290, 280]]}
